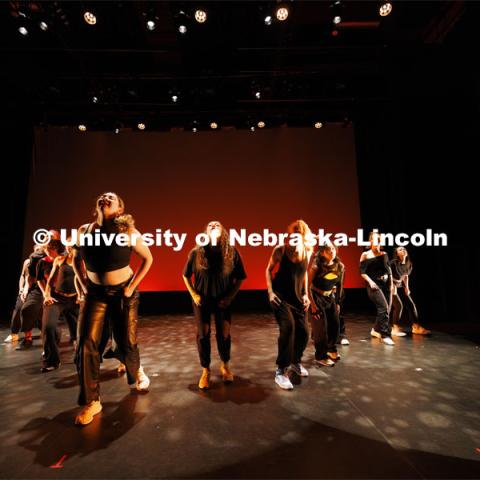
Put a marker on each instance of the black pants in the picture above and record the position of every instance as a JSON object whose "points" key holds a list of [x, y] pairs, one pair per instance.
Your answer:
{"points": [[293, 335], [398, 306], [51, 332], [223, 320], [325, 326], [16, 321], [100, 301], [31, 311], [382, 301]]}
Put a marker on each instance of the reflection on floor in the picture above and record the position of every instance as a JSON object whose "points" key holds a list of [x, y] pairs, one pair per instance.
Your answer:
{"points": [[411, 411]]}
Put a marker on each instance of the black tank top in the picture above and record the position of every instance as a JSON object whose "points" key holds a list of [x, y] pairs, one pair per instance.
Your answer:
{"points": [[105, 258], [65, 279], [289, 281]]}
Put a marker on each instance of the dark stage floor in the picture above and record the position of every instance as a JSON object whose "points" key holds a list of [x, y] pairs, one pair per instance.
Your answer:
{"points": [[412, 411]]}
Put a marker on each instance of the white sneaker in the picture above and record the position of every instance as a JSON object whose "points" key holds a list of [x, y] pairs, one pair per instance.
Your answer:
{"points": [[344, 341], [299, 369], [282, 380], [396, 332], [375, 334], [143, 382], [13, 337], [388, 341]]}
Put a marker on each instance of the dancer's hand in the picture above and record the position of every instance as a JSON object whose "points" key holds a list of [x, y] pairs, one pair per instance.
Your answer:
{"points": [[374, 286], [197, 299], [128, 291], [49, 300], [407, 291], [23, 296], [306, 302], [274, 300]]}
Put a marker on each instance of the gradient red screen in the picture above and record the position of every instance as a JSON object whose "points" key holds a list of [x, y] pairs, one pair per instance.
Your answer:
{"points": [[181, 180]]}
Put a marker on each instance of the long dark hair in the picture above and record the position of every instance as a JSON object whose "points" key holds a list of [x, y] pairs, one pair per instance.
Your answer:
{"points": [[408, 262], [321, 262], [123, 221], [228, 253]]}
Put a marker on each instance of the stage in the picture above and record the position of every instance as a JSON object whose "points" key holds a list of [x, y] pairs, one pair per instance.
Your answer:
{"points": [[411, 411]]}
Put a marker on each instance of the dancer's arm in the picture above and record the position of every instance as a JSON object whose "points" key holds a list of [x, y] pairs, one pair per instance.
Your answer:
{"points": [[275, 259], [48, 300], [372, 284], [147, 259]]}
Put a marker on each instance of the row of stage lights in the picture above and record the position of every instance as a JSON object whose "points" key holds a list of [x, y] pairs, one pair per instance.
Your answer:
{"points": [[213, 126], [281, 14]]}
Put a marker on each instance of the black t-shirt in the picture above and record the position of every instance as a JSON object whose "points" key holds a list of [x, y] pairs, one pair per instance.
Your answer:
{"points": [[35, 257], [212, 282], [44, 267], [400, 270]]}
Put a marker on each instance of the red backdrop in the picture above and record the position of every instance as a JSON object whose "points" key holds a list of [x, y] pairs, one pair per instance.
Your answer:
{"points": [[182, 180]]}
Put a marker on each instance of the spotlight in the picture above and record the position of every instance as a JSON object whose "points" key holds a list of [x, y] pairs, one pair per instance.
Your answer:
{"points": [[23, 31], [318, 125], [268, 20], [194, 129], [141, 126], [258, 94], [117, 131], [95, 99], [182, 29], [385, 9], [43, 26], [252, 128], [151, 25], [201, 16], [282, 14], [213, 125], [261, 124], [82, 128], [174, 98], [90, 18], [337, 19]]}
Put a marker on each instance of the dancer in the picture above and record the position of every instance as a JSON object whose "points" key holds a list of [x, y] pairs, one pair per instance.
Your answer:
{"points": [[218, 272], [375, 270], [110, 286], [401, 266], [287, 292], [60, 297], [325, 280], [16, 322]]}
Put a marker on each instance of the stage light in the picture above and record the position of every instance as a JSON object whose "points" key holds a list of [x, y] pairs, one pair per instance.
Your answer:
{"points": [[95, 99], [117, 131], [201, 16], [268, 20], [282, 14], [334, 33], [258, 94], [141, 126], [194, 129], [82, 128], [90, 18], [174, 98], [337, 19], [385, 9], [261, 124], [214, 125], [151, 25], [43, 26], [252, 128], [23, 31], [182, 29], [318, 125]]}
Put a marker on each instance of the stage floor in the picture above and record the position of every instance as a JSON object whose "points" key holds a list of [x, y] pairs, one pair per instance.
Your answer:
{"points": [[411, 411]]}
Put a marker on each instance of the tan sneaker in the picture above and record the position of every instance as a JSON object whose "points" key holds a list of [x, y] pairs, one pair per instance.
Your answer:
{"points": [[419, 330], [227, 375], [12, 338], [335, 356], [143, 382], [396, 332], [88, 412], [121, 368], [204, 382]]}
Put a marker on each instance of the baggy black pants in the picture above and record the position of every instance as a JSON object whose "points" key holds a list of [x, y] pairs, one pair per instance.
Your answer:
{"points": [[293, 334], [16, 321], [223, 319], [100, 301], [381, 298], [325, 325], [398, 307], [31, 311]]}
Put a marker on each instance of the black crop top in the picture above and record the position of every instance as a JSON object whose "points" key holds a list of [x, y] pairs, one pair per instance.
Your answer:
{"points": [[104, 258], [400, 270], [329, 279], [376, 267]]}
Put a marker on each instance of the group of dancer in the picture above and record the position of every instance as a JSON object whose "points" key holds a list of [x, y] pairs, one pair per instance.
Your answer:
{"points": [[94, 289]]}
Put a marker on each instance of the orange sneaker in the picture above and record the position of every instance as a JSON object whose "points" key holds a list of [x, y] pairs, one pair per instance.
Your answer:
{"points": [[419, 330], [204, 382], [227, 375], [88, 412]]}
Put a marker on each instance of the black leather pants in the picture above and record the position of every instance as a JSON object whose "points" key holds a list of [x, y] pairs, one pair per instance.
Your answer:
{"points": [[100, 301]]}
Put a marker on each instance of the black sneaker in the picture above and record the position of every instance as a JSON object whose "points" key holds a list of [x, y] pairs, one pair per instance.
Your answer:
{"points": [[25, 344]]}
